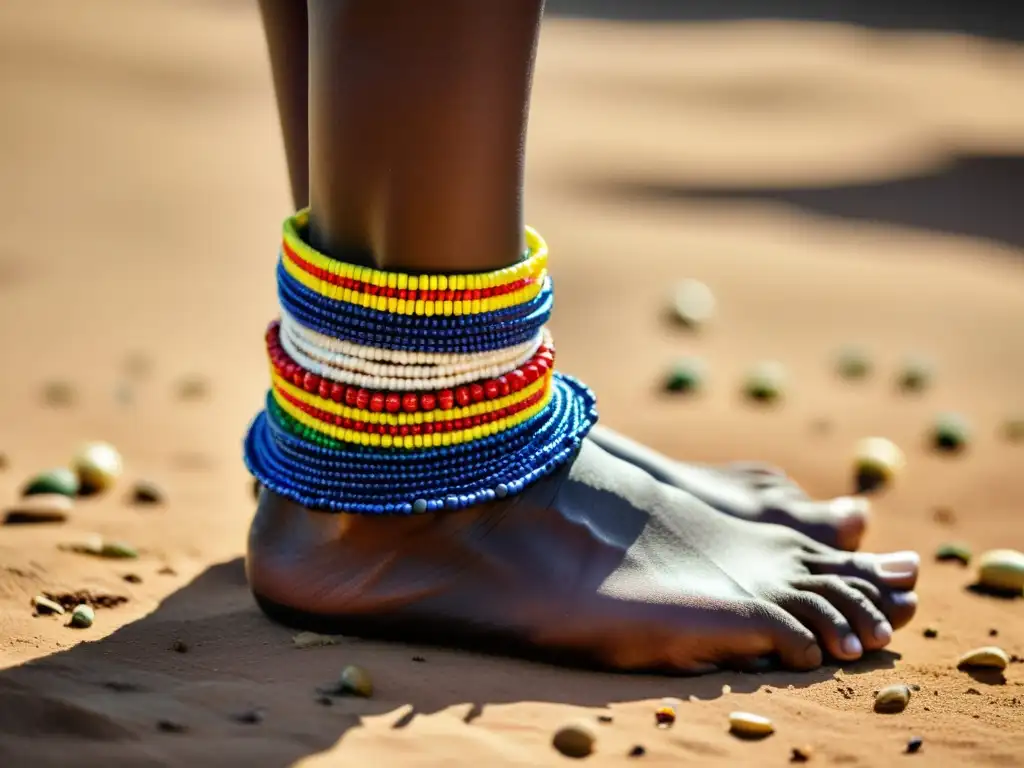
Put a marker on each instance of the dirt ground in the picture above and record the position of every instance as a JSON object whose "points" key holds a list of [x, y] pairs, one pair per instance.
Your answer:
{"points": [[142, 191]]}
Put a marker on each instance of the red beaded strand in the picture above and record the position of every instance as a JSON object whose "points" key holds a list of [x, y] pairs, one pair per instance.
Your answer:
{"points": [[410, 402]]}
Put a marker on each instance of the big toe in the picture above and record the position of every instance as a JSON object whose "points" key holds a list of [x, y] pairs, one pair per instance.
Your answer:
{"points": [[838, 523]]}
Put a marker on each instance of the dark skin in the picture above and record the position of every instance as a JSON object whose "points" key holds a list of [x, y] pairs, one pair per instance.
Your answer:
{"points": [[414, 152]]}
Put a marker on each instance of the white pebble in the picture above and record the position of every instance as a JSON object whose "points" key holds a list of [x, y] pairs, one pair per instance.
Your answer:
{"points": [[750, 725]]}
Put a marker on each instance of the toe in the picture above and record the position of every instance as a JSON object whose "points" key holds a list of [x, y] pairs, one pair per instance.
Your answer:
{"points": [[794, 643], [896, 571], [867, 620], [900, 607], [826, 621], [742, 633], [839, 523]]}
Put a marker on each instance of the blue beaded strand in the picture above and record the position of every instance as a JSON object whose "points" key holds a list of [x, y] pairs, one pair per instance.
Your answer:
{"points": [[464, 334], [447, 477]]}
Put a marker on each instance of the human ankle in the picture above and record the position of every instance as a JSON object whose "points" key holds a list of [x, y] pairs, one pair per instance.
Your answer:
{"points": [[396, 393]]}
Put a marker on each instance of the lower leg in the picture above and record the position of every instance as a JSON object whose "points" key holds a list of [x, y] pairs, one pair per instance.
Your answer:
{"points": [[285, 25], [417, 130]]}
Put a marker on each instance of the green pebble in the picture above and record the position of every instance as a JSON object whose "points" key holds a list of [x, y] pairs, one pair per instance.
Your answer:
{"points": [[916, 375], [686, 376], [61, 480], [118, 550], [82, 617], [951, 432], [954, 551], [765, 382], [853, 363]]}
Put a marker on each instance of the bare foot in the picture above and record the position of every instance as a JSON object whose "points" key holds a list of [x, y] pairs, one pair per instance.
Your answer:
{"points": [[750, 491], [600, 560]]}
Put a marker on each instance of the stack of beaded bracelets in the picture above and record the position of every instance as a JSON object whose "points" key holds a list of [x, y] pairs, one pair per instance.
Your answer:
{"points": [[398, 394]]}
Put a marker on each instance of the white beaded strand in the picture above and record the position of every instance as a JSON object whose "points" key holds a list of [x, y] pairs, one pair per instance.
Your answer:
{"points": [[338, 367], [508, 359], [291, 325]]}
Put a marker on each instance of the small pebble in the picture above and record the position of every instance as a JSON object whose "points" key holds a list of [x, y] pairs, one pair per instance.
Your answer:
{"points": [[637, 751], [951, 433], [138, 364], [312, 640], [249, 717], [169, 726], [179, 646], [916, 375], [46, 606], [60, 480], [575, 739], [1002, 570], [147, 492], [693, 303], [954, 551], [726, 689], [944, 516], [118, 550], [988, 657], [39, 508], [193, 388], [132, 578], [123, 394], [914, 745], [750, 725], [892, 699], [82, 617], [98, 466], [95, 545], [931, 633], [605, 719], [58, 393], [877, 462], [90, 545], [821, 425], [800, 754], [853, 363], [1013, 429], [665, 716], [765, 382], [687, 376], [993, 633], [355, 681]]}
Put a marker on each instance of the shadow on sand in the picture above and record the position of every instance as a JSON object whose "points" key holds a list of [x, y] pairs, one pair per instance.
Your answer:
{"points": [[139, 700]]}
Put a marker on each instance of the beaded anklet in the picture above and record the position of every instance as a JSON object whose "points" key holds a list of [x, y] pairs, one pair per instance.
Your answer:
{"points": [[400, 394]]}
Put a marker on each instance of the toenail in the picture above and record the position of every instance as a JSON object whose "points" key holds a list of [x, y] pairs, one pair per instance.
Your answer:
{"points": [[883, 632], [851, 646], [898, 563], [903, 598], [850, 506]]}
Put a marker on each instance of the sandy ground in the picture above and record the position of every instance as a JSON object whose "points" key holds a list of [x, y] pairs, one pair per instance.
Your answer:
{"points": [[142, 188]]}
